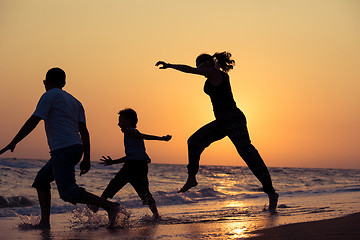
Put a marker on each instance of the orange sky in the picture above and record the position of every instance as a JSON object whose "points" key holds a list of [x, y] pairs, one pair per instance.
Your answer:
{"points": [[296, 76]]}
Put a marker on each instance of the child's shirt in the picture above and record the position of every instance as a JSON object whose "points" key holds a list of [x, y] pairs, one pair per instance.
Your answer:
{"points": [[135, 147]]}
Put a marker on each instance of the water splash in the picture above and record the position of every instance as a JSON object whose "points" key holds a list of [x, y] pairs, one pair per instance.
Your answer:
{"points": [[148, 220], [84, 218], [27, 221]]}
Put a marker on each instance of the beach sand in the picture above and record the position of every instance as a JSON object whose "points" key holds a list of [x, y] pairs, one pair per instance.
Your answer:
{"points": [[344, 228], [340, 228]]}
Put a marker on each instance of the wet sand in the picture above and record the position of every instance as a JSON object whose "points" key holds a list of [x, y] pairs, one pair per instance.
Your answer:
{"points": [[344, 228], [340, 228]]}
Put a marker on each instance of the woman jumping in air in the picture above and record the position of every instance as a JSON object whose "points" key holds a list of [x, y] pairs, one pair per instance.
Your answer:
{"points": [[229, 121]]}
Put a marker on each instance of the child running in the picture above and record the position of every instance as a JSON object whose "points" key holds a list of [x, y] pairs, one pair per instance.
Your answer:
{"points": [[135, 168]]}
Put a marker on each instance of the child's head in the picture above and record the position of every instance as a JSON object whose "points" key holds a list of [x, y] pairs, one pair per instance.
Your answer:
{"points": [[130, 116]]}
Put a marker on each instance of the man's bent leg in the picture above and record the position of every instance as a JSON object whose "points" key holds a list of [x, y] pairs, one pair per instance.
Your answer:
{"points": [[42, 184], [113, 209]]}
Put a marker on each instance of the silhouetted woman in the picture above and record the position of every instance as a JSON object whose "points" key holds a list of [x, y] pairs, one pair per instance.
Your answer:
{"points": [[230, 121]]}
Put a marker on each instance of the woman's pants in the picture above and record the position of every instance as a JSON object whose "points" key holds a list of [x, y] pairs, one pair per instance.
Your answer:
{"points": [[232, 125]]}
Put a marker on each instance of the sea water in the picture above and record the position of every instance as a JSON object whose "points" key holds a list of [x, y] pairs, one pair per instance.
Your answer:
{"points": [[224, 194]]}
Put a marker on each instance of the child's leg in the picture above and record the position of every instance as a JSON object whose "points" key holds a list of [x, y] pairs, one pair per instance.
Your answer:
{"points": [[140, 183], [148, 199], [115, 184]]}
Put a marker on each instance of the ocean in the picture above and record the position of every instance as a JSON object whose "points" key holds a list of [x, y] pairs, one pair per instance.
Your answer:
{"points": [[225, 194]]}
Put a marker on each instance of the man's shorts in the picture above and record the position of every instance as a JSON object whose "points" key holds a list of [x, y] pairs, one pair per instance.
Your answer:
{"points": [[61, 168]]}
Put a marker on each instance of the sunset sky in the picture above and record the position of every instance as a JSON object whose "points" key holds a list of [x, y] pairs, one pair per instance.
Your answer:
{"points": [[296, 78]]}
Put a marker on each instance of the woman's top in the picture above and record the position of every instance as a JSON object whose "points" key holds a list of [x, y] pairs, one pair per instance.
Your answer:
{"points": [[135, 147], [221, 96]]}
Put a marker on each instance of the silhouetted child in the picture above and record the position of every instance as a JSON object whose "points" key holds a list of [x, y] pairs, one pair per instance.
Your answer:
{"points": [[135, 168]]}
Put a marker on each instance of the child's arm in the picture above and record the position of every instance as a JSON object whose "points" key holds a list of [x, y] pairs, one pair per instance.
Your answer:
{"points": [[108, 161], [136, 134], [152, 137]]}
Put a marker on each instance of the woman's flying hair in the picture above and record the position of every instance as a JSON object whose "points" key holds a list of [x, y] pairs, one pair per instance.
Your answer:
{"points": [[224, 60]]}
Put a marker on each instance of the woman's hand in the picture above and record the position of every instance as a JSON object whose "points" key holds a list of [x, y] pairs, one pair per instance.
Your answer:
{"points": [[106, 161], [167, 137], [162, 64], [204, 71]]}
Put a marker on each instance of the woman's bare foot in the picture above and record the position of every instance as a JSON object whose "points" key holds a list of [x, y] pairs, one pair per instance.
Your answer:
{"points": [[156, 217], [273, 200], [190, 183]]}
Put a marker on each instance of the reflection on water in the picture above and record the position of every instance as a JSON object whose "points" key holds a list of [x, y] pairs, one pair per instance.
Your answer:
{"points": [[238, 227], [235, 204], [243, 228], [226, 186], [236, 230]]}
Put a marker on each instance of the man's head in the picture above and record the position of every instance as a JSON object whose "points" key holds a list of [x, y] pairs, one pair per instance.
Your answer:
{"points": [[55, 78]]}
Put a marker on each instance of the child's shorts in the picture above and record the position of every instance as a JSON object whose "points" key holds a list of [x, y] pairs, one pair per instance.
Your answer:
{"points": [[133, 172]]}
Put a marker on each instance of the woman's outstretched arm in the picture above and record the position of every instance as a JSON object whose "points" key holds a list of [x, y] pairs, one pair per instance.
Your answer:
{"points": [[211, 73], [207, 72]]}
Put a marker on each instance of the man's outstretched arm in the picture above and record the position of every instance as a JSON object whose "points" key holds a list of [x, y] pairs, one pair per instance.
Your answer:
{"points": [[27, 128]]}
